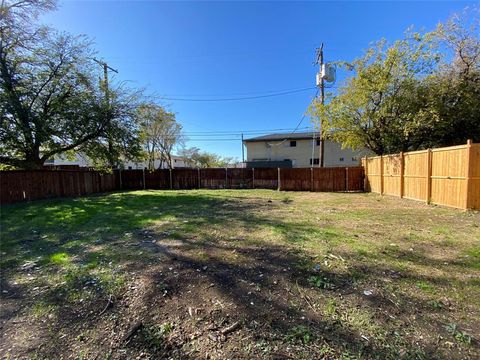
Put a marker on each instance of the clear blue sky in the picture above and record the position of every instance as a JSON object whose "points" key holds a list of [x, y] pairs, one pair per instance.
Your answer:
{"points": [[230, 49]]}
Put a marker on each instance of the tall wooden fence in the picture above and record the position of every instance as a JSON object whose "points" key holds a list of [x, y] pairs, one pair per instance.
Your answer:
{"points": [[17, 186], [23, 185], [447, 176]]}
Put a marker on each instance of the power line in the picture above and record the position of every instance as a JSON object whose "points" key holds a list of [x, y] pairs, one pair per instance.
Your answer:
{"points": [[296, 128], [241, 98], [237, 94], [240, 131]]}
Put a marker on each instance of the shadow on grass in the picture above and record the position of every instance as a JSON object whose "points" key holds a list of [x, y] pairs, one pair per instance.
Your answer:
{"points": [[163, 253]]}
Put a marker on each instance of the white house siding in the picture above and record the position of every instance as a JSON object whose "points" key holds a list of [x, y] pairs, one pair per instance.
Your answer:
{"points": [[301, 154], [82, 161]]}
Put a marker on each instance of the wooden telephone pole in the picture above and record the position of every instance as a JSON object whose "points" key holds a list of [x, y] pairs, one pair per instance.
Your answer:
{"points": [[105, 67], [319, 61]]}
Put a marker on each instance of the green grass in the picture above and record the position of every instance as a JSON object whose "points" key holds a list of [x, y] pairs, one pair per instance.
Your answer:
{"points": [[420, 263]]}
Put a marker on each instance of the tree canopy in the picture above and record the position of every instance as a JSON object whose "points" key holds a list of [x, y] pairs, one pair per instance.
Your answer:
{"points": [[51, 101], [160, 134], [421, 91], [195, 158]]}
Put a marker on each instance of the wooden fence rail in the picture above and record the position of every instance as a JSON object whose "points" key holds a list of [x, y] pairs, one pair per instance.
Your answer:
{"points": [[447, 176], [17, 186]]}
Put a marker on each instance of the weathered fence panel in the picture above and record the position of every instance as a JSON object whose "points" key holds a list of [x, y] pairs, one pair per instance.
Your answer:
{"points": [[18, 186], [355, 178], [329, 179], [239, 178], [447, 176], [213, 178], [296, 179], [265, 178], [157, 179], [132, 179], [185, 178]]}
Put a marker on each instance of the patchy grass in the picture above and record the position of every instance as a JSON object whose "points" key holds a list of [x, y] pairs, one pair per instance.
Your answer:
{"points": [[239, 274]]}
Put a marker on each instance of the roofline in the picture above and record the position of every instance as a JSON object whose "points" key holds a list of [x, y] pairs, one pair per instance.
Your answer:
{"points": [[287, 137]]}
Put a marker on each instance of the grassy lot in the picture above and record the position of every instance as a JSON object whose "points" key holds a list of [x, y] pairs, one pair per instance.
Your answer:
{"points": [[239, 275]]}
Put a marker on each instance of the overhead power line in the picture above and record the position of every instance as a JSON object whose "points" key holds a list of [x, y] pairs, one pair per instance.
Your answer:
{"points": [[240, 98], [239, 132]]}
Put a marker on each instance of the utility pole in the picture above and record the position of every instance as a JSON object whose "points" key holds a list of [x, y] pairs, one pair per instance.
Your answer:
{"points": [[319, 61], [105, 67]]}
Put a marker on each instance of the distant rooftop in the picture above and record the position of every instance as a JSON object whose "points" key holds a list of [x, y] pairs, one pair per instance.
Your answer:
{"points": [[287, 136]]}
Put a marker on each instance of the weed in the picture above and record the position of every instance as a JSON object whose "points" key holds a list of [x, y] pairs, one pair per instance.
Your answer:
{"points": [[155, 335], [459, 335], [425, 286], [437, 305], [320, 282], [331, 307], [301, 334]]}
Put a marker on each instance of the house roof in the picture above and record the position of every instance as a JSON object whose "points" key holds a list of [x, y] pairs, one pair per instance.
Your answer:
{"points": [[288, 136]]}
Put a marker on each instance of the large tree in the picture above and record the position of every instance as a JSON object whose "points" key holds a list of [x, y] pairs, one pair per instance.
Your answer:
{"points": [[419, 92], [194, 157], [51, 101], [376, 107], [161, 133]]}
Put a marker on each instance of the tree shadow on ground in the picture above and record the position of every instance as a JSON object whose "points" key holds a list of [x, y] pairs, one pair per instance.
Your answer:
{"points": [[188, 263]]}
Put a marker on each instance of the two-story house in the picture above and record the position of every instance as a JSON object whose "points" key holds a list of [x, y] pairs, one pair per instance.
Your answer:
{"points": [[298, 150]]}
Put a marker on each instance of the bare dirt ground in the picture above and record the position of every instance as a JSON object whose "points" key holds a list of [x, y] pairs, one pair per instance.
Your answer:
{"points": [[239, 275]]}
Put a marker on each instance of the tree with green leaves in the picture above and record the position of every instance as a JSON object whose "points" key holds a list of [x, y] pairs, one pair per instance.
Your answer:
{"points": [[160, 134], [421, 91], [50, 100], [195, 158]]}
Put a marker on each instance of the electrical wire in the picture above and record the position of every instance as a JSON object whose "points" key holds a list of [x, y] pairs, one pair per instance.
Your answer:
{"points": [[240, 131], [296, 128], [240, 98]]}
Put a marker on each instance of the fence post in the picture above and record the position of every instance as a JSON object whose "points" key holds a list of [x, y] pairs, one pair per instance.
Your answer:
{"points": [[311, 179], [253, 178], [381, 174], [365, 175], [120, 178], [346, 178], [226, 178], [429, 176], [278, 180], [199, 180], [469, 165], [143, 178], [402, 170], [171, 179]]}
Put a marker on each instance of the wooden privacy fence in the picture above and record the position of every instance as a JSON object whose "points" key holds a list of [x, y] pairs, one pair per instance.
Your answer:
{"points": [[16, 186], [447, 176], [24, 185]]}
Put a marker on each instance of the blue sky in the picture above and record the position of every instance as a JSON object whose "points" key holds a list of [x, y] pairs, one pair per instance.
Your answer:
{"points": [[234, 49]]}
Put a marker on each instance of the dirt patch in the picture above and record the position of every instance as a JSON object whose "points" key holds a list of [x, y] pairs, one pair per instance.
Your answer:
{"points": [[244, 275]]}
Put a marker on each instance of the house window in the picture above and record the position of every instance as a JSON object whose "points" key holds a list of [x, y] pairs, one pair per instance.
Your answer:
{"points": [[316, 161], [293, 143], [341, 159], [354, 158], [129, 168], [318, 142]]}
